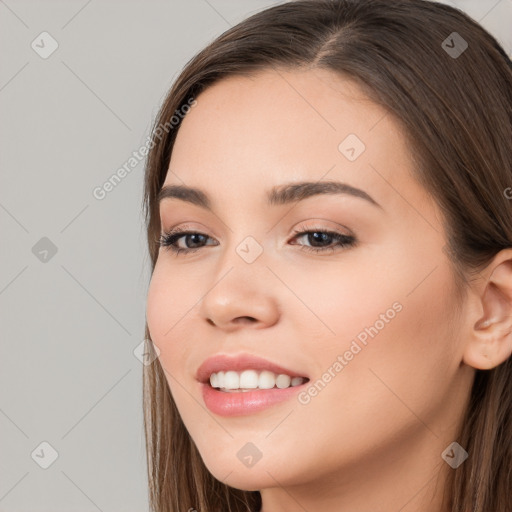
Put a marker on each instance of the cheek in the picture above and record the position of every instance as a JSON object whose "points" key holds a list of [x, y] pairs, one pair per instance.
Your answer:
{"points": [[384, 315], [399, 355], [164, 309], [334, 302], [172, 301]]}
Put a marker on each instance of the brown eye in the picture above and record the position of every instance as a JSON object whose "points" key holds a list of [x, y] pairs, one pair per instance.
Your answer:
{"points": [[322, 241], [169, 240]]}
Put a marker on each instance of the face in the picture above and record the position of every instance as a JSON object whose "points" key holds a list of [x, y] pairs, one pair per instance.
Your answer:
{"points": [[351, 290]]}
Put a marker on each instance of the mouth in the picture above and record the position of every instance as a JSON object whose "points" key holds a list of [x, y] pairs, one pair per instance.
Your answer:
{"points": [[236, 385], [245, 372]]}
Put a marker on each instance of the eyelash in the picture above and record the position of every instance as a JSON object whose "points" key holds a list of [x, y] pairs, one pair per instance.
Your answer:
{"points": [[169, 239]]}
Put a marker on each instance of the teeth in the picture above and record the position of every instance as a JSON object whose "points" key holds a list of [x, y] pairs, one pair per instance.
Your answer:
{"points": [[297, 381], [231, 380], [283, 381], [250, 379]]}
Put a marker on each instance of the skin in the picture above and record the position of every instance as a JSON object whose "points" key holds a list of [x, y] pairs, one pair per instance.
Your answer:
{"points": [[372, 438]]}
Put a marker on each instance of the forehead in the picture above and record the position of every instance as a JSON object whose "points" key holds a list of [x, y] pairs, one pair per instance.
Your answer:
{"points": [[284, 113], [249, 133]]}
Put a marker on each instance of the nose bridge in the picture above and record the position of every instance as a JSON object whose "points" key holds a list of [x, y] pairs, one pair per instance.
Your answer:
{"points": [[247, 244]]}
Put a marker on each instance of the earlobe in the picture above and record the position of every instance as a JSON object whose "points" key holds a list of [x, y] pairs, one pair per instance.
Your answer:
{"points": [[490, 342]]}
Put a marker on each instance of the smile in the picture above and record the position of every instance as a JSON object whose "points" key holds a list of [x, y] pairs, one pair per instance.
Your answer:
{"points": [[233, 381]]}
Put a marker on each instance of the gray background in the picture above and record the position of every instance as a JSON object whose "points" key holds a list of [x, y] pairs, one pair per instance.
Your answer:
{"points": [[72, 319]]}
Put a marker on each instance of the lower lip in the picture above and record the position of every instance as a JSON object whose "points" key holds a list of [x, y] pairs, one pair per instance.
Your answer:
{"points": [[245, 402]]}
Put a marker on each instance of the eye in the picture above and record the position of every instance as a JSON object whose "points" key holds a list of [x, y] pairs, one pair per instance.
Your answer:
{"points": [[322, 240], [169, 240]]}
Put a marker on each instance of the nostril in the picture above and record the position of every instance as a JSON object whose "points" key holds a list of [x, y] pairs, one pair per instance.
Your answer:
{"points": [[245, 320]]}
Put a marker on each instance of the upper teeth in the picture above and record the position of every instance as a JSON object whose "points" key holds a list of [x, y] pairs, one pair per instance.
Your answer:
{"points": [[249, 379]]}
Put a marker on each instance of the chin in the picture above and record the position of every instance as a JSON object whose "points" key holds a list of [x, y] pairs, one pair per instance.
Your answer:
{"points": [[237, 475], [245, 480]]}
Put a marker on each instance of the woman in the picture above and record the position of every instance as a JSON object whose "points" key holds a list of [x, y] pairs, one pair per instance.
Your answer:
{"points": [[329, 215]]}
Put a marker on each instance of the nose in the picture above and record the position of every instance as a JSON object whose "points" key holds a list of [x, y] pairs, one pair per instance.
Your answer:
{"points": [[241, 295]]}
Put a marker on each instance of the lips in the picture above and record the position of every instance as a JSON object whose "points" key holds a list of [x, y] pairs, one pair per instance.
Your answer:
{"points": [[240, 362]]}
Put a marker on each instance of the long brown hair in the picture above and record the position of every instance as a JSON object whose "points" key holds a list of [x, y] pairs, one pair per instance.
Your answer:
{"points": [[456, 109]]}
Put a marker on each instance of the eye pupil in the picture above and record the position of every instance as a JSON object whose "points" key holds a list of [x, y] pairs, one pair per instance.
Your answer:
{"points": [[321, 236], [195, 236]]}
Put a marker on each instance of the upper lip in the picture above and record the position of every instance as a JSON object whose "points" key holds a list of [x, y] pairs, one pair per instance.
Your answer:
{"points": [[240, 362]]}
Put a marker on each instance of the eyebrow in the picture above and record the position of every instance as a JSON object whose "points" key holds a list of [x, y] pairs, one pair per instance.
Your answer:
{"points": [[278, 195]]}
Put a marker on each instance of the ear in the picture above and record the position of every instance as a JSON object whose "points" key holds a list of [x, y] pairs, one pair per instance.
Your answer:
{"points": [[490, 342]]}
